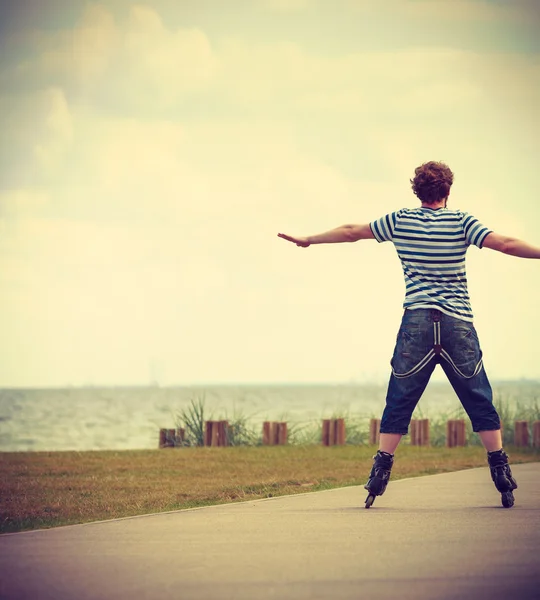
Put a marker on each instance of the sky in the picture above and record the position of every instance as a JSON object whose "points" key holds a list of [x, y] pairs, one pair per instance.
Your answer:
{"points": [[151, 152]]}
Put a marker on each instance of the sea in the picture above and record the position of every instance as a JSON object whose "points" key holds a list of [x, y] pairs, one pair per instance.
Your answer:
{"points": [[129, 418]]}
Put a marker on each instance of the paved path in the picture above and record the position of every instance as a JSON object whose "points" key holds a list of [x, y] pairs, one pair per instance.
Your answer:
{"points": [[440, 537]]}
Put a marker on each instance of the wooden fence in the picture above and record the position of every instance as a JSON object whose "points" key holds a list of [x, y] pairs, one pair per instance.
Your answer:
{"points": [[170, 438], [333, 432], [216, 433], [274, 433], [536, 434], [219, 433], [521, 433], [455, 433], [374, 434], [419, 432]]}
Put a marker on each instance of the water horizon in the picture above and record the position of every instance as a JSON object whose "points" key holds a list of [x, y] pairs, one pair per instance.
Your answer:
{"points": [[129, 416]]}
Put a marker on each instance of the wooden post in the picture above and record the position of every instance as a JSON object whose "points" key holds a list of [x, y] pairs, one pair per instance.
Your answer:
{"points": [[339, 432], [211, 433], [216, 433], [223, 433], [208, 433], [282, 433], [275, 434], [267, 436], [521, 433], [536, 434], [449, 434], [422, 432], [419, 432], [413, 432], [374, 426], [461, 437], [167, 438], [455, 433], [326, 432], [180, 436], [162, 438], [333, 432]]}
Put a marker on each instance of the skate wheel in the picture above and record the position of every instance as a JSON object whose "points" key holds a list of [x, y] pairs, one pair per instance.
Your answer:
{"points": [[369, 500], [507, 499]]}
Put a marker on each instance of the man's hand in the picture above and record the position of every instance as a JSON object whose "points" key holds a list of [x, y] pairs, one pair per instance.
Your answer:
{"points": [[299, 241]]}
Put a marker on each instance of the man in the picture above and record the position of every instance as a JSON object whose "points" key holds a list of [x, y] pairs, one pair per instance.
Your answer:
{"points": [[437, 326]]}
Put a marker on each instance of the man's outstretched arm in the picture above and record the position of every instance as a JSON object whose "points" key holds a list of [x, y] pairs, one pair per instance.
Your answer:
{"points": [[511, 246], [345, 233]]}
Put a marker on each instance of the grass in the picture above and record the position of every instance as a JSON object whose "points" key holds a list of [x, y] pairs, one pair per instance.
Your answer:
{"points": [[48, 489]]}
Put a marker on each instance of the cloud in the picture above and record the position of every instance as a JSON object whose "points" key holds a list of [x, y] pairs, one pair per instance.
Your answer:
{"points": [[58, 133], [453, 11], [137, 61], [139, 65], [154, 54], [390, 108], [284, 79], [94, 39], [37, 133], [247, 112]]}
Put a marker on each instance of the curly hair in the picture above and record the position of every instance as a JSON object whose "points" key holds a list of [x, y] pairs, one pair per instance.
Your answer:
{"points": [[432, 181]]}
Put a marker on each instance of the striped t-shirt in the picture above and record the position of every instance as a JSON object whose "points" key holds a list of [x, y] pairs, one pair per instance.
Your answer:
{"points": [[431, 244]]}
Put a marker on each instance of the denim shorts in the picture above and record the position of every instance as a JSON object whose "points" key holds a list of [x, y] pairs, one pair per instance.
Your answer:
{"points": [[428, 337]]}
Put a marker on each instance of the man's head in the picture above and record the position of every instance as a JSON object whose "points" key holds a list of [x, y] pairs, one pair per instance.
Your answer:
{"points": [[432, 182]]}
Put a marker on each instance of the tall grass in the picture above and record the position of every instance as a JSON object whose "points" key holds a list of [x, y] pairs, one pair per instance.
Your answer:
{"points": [[303, 434], [242, 430], [192, 420]]}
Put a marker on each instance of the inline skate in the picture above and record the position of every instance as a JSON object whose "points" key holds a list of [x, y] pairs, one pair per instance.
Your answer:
{"points": [[502, 476], [379, 476]]}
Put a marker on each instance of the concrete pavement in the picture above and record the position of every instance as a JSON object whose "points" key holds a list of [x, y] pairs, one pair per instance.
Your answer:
{"points": [[439, 537]]}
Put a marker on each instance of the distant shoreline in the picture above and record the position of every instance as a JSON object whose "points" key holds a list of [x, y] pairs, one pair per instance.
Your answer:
{"points": [[184, 386]]}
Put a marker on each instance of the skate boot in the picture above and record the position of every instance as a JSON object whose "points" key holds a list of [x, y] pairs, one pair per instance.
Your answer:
{"points": [[379, 476], [502, 476]]}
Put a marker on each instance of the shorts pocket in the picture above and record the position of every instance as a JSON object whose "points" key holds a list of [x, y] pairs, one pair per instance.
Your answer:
{"points": [[463, 350], [410, 353]]}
